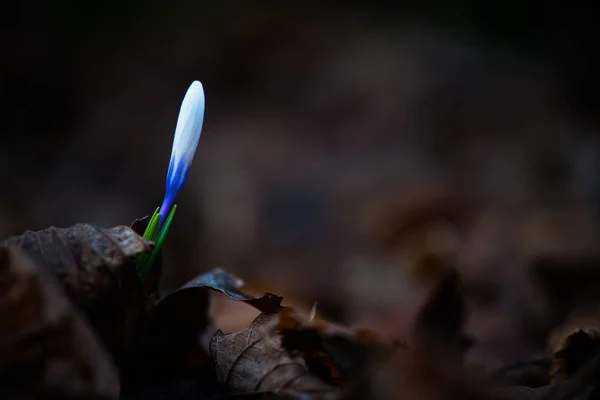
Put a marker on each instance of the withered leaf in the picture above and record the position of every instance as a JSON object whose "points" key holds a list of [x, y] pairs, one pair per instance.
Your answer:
{"points": [[48, 350], [180, 317], [96, 270], [230, 285], [253, 360], [85, 259], [332, 352]]}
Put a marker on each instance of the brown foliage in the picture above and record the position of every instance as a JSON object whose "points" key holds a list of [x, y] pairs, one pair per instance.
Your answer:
{"points": [[95, 268], [48, 350], [254, 360]]}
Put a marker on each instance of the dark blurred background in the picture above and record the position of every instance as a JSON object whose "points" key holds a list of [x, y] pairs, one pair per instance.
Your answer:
{"points": [[342, 140]]}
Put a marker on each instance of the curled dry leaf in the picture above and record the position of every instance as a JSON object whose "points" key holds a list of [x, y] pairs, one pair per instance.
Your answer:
{"points": [[48, 350], [96, 269], [180, 317], [85, 259], [230, 285], [254, 360], [332, 352]]}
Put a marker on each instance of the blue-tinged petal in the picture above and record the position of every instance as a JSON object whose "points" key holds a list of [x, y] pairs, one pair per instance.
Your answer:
{"points": [[187, 134], [187, 130]]}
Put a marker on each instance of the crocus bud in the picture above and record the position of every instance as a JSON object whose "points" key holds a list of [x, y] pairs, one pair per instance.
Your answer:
{"points": [[187, 133]]}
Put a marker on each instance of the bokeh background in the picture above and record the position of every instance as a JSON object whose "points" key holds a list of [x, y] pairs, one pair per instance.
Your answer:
{"points": [[343, 141]]}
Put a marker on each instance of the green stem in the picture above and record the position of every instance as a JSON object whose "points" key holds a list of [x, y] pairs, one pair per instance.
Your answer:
{"points": [[146, 261]]}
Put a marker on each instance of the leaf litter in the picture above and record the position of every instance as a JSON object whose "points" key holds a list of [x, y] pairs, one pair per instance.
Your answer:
{"points": [[77, 322]]}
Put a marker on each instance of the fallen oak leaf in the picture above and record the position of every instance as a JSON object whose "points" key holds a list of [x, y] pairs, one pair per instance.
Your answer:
{"points": [[179, 318], [254, 360], [230, 285], [194, 293], [96, 270], [48, 350], [85, 259], [231, 315]]}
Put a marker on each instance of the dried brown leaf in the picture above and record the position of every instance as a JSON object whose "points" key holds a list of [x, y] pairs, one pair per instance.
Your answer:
{"points": [[230, 285], [332, 352], [48, 350], [254, 360], [180, 317], [96, 270], [85, 259]]}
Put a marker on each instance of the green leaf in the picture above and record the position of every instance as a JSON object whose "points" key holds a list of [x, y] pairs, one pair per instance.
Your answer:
{"points": [[151, 228], [142, 259], [146, 264]]}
